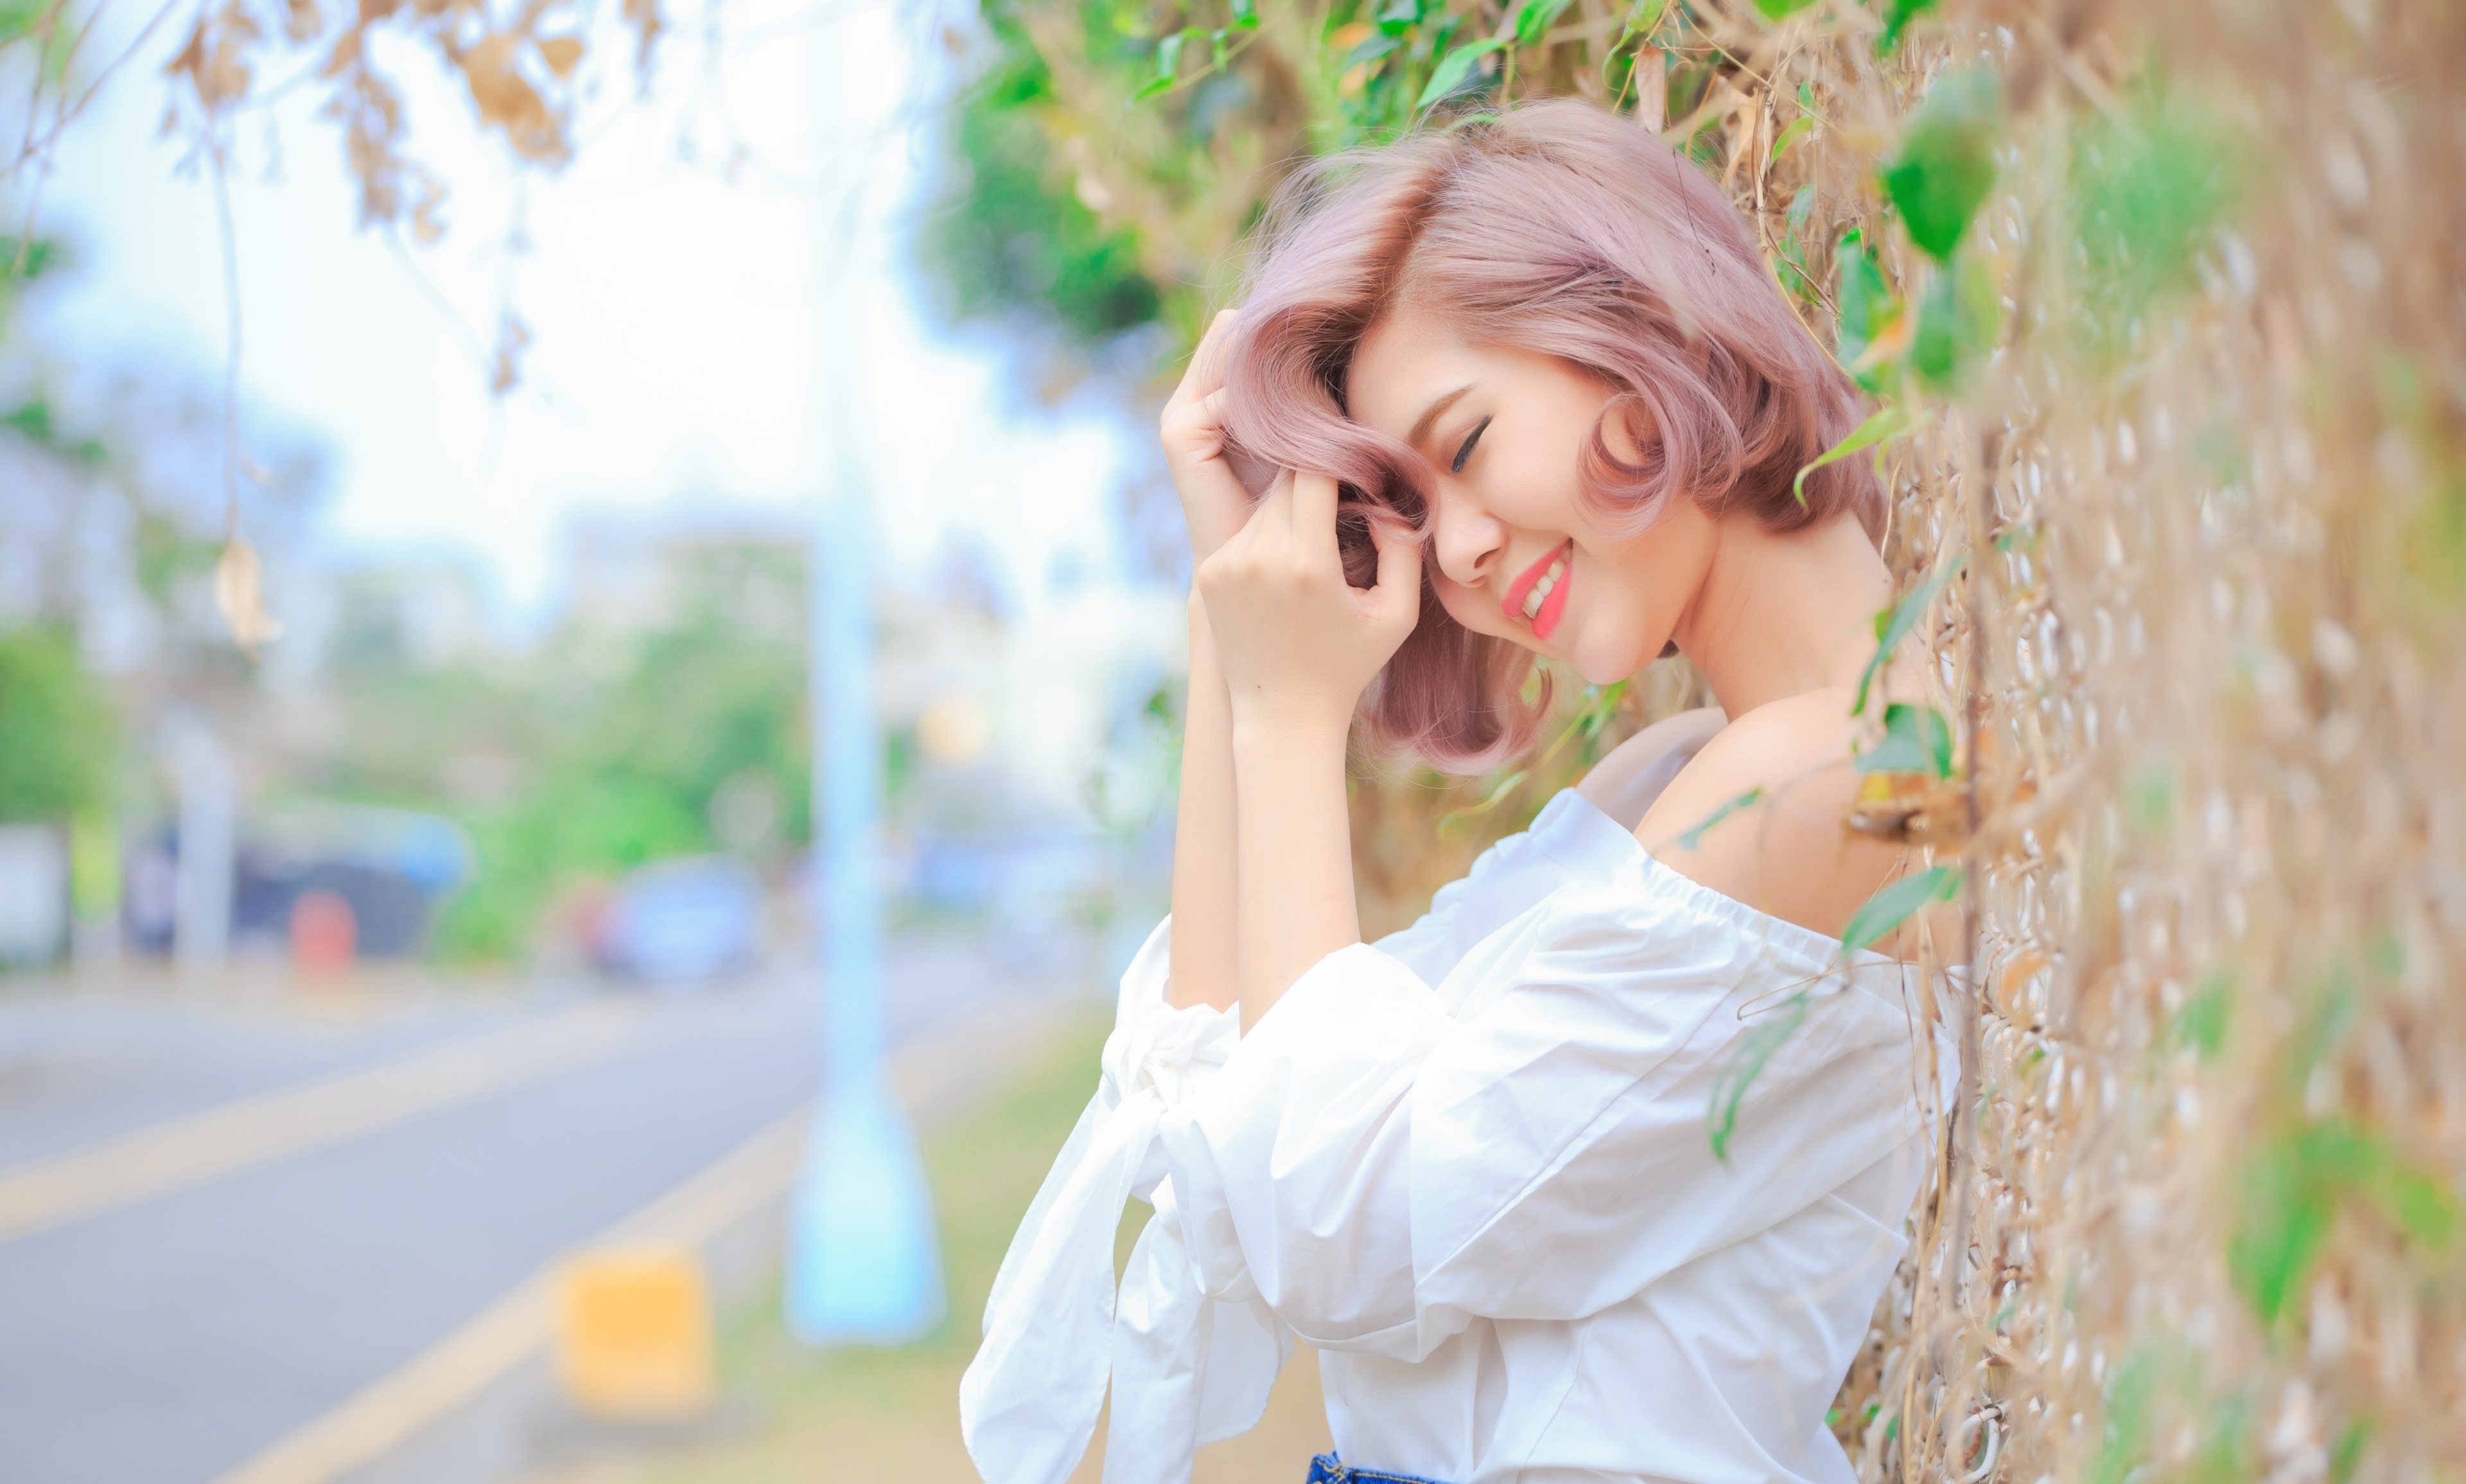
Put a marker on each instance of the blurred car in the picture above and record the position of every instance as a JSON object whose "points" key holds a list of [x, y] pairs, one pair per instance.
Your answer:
{"points": [[391, 868], [682, 921]]}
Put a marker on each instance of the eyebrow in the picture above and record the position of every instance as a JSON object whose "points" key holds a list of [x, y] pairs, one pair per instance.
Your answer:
{"points": [[1431, 414]]}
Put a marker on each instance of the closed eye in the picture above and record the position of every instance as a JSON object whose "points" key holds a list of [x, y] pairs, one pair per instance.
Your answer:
{"points": [[1465, 452]]}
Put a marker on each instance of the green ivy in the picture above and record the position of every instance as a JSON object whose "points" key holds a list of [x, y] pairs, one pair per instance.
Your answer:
{"points": [[1946, 162]]}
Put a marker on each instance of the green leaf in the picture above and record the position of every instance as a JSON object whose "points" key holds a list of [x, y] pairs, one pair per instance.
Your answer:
{"points": [[1534, 18], [1893, 625], [1601, 706], [1946, 164], [2129, 1397], [1959, 318], [1454, 70], [1245, 14], [2284, 1214], [1369, 49], [1695, 836], [2292, 1192], [1216, 49], [1893, 905], [34, 419], [2348, 1451], [1398, 16], [1794, 276], [38, 255], [1778, 10], [2202, 1022], [1643, 19], [18, 17], [2146, 190], [1799, 129], [1916, 739], [1168, 67], [1890, 423], [2420, 1205], [1499, 790], [1896, 20], [1745, 1064], [1866, 306]]}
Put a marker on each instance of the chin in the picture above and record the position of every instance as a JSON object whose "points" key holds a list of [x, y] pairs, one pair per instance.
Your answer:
{"points": [[1604, 674], [1607, 660]]}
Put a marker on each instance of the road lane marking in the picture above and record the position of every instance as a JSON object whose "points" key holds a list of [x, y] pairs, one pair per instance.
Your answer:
{"points": [[927, 1076], [167, 1156], [510, 1331]]}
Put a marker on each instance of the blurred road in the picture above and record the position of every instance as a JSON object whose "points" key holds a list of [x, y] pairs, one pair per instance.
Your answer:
{"points": [[218, 1222]]}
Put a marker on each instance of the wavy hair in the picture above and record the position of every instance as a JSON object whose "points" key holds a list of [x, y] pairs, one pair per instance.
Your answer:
{"points": [[1557, 228]]}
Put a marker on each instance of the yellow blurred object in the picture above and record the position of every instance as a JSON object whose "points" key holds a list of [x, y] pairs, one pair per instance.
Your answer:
{"points": [[634, 1334], [954, 731]]}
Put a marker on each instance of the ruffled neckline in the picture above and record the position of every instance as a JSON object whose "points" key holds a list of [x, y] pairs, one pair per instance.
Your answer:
{"points": [[1572, 830]]}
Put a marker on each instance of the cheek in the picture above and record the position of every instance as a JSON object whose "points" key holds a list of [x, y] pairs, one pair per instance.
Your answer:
{"points": [[1470, 608]]}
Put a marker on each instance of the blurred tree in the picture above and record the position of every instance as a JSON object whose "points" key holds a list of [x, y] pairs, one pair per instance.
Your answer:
{"points": [[622, 754], [57, 731], [1008, 241]]}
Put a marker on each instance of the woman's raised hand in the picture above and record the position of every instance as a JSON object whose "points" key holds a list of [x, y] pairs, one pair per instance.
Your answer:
{"points": [[1296, 641], [1212, 502]]}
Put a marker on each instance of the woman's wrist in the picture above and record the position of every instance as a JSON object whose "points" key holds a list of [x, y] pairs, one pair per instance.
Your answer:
{"points": [[1269, 719]]}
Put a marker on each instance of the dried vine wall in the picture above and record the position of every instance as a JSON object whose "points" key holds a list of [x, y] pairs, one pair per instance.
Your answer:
{"points": [[2201, 1221], [2165, 313]]}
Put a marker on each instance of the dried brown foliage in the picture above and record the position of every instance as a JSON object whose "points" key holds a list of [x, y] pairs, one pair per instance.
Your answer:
{"points": [[2205, 660], [518, 64]]}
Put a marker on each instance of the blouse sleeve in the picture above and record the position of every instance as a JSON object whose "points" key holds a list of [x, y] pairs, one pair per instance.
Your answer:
{"points": [[1379, 1168], [1186, 1366]]}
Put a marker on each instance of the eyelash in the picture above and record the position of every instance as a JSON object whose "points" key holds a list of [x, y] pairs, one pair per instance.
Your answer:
{"points": [[1465, 452]]}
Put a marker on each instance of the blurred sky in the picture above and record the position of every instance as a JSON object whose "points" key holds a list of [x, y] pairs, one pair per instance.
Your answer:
{"points": [[672, 281]]}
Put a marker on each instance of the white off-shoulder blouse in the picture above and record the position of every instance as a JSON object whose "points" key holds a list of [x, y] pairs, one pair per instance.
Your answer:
{"points": [[1471, 1164]]}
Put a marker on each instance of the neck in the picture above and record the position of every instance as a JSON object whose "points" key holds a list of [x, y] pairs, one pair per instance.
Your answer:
{"points": [[1780, 615]]}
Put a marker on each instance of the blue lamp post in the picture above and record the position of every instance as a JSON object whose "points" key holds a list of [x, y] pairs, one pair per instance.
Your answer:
{"points": [[864, 1263]]}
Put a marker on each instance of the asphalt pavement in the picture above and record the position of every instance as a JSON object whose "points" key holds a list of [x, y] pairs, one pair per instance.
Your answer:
{"points": [[222, 1216]]}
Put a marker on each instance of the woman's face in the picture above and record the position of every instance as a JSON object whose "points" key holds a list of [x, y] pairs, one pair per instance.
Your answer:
{"points": [[1513, 551]]}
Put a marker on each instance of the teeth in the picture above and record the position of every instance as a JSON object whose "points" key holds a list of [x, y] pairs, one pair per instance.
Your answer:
{"points": [[1541, 590]]}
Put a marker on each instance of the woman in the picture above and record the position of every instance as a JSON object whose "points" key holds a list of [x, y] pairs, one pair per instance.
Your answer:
{"points": [[1531, 384]]}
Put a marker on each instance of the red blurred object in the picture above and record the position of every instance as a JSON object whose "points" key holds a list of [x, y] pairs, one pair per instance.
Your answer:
{"points": [[324, 934]]}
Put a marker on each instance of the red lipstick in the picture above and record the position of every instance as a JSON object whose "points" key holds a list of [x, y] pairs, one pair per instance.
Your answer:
{"points": [[1539, 591]]}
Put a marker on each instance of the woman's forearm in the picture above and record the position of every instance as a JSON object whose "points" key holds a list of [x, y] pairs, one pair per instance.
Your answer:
{"points": [[1294, 901], [1203, 882]]}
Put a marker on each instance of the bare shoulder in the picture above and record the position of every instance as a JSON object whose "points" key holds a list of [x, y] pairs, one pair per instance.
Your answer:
{"points": [[1625, 784], [1757, 815]]}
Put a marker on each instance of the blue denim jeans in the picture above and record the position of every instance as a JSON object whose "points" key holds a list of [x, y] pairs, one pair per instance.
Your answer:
{"points": [[1328, 1469]]}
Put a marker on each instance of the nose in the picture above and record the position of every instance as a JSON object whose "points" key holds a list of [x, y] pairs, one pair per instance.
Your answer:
{"points": [[1468, 542]]}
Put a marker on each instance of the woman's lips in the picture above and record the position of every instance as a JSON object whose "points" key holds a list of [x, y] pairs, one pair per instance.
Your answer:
{"points": [[1539, 591]]}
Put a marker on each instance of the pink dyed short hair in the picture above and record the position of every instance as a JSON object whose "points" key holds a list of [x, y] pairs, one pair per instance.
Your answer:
{"points": [[1557, 228]]}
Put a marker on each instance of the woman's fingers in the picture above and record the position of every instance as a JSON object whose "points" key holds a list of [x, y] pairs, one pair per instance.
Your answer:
{"points": [[1396, 597], [1314, 515]]}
